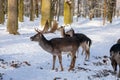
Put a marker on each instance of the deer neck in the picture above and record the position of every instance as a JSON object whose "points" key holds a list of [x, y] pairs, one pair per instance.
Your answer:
{"points": [[63, 32], [45, 44]]}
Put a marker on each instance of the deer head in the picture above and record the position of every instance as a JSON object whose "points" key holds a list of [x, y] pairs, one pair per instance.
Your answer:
{"points": [[37, 36], [70, 32]]}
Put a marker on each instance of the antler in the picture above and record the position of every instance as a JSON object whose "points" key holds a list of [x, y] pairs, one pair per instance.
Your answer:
{"points": [[37, 30]]}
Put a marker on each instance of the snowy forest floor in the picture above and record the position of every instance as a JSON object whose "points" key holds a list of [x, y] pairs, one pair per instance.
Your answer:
{"points": [[22, 59]]}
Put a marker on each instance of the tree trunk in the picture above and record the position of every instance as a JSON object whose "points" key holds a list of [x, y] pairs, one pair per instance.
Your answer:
{"points": [[1, 11], [104, 11], [114, 8], [21, 10], [36, 8], [12, 23], [45, 12], [5, 6], [58, 10], [61, 7], [111, 5], [31, 10], [67, 12]]}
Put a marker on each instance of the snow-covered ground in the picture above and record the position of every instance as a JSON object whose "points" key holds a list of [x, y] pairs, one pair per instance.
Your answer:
{"points": [[22, 59]]}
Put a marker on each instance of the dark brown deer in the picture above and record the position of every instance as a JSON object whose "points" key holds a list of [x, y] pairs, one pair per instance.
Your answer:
{"points": [[56, 46], [115, 57], [118, 41], [84, 42]]}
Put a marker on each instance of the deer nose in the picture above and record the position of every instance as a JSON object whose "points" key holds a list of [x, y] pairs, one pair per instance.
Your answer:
{"points": [[31, 38]]}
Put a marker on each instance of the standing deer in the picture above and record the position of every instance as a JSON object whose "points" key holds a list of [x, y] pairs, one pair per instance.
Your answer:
{"points": [[84, 42], [56, 46], [118, 41], [63, 34], [115, 57], [62, 30]]}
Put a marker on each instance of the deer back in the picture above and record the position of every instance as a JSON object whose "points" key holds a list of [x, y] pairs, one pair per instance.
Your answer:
{"points": [[65, 44], [56, 45], [80, 36]]}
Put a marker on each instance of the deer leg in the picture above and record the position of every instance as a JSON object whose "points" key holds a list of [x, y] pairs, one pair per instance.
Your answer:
{"points": [[87, 52], [119, 72], [87, 55], [60, 61], [114, 65], [74, 59], [54, 59], [83, 49], [77, 54], [72, 63]]}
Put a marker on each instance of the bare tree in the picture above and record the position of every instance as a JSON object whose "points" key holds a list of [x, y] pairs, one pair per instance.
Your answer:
{"points": [[68, 11], [31, 10], [1, 11], [36, 8], [104, 11], [111, 6], [21, 10], [45, 12], [12, 23]]}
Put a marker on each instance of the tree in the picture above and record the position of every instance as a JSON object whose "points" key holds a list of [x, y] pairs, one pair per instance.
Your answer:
{"points": [[36, 8], [31, 10], [21, 10], [5, 6], [1, 11], [111, 6], [67, 12], [104, 11], [45, 12], [12, 23]]}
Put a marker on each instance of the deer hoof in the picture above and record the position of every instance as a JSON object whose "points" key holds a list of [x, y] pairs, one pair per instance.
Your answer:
{"points": [[52, 68], [70, 69], [118, 75], [62, 69]]}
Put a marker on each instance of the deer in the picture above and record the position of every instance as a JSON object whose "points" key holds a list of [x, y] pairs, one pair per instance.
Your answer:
{"points": [[62, 31], [56, 46], [63, 34], [84, 42], [118, 41], [115, 57]]}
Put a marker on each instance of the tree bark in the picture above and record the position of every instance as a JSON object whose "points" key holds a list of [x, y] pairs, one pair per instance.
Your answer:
{"points": [[21, 10], [104, 11], [31, 10], [36, 8], [111, 5], [67, 12], [45, 12], [1, 11], [12, 23]]}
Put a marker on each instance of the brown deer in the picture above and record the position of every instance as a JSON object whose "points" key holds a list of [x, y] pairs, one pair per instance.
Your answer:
{"points": [[56, 46], [118, 41], [62, 30], [115, 57], [63, 34], [84, 42]]}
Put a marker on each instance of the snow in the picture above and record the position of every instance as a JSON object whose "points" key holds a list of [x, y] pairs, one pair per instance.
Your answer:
{"points": [[33, 63]]}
